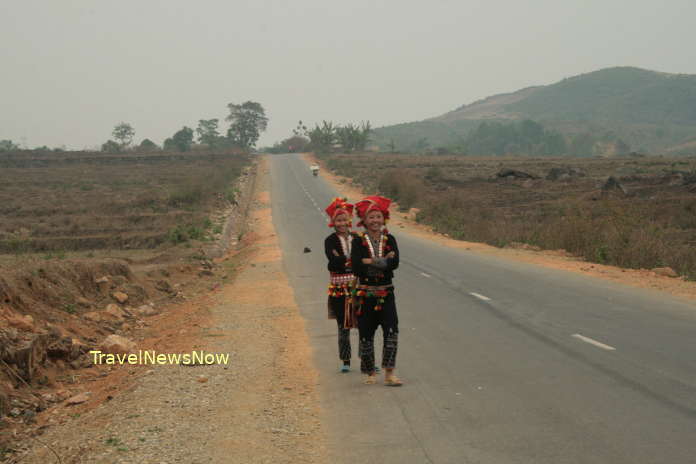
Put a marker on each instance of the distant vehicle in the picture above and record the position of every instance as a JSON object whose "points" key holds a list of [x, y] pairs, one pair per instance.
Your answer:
{"points": [[315, 169]]}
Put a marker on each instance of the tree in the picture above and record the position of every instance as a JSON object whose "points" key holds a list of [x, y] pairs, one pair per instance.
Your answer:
{"points": [[247, 121], [111, 146], [8, 145], [124, 133], [322, 137], [181, 141], [148, 145], [207, 131]]}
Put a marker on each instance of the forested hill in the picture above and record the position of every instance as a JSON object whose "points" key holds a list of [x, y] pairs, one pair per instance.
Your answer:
{"points": [[646, 110]]}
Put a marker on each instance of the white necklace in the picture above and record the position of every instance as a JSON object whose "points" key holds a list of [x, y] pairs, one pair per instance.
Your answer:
{"points": [[371, 248], [345, 245]]}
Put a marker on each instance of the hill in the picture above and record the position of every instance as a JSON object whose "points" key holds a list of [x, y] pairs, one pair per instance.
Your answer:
{"points": [[651, 111]]}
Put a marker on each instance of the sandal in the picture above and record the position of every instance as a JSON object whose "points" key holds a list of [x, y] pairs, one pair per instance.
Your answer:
{"points": [[370, 379], [393, 381]]}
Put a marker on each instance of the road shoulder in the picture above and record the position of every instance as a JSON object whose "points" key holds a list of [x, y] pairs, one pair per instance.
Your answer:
{"points": [[554, 259]]}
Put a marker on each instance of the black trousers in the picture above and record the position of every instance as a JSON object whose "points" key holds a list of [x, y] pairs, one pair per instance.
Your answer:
{"points": [[337, 306], [368, 322]]}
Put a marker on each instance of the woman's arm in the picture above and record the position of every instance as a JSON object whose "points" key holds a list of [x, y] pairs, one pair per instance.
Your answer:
{"points": [[392, 254], [358, 253], [336, 260]]}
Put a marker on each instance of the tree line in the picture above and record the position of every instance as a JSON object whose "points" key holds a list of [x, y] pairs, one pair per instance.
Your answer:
{"points": [[246, 122], [326, 137], [524, 137]]}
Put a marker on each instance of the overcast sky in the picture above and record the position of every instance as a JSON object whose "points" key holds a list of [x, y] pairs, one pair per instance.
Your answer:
{"points": [[72, 69]]}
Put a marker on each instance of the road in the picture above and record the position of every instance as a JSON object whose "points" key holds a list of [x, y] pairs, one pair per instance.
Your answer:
{"points": [[504, 362]]}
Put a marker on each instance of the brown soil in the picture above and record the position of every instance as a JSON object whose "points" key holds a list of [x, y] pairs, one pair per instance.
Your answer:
{"points": [[557, 259], [262, 407], [53, 311]]}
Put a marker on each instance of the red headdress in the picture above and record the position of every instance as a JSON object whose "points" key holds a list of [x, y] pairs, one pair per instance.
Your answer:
{"points": [[372, 203], [339, 206]]}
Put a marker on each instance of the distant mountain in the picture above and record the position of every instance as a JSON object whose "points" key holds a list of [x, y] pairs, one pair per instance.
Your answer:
{"points": [[651, 111]]}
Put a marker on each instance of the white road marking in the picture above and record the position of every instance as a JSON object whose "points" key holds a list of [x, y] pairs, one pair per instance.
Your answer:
{"points": [[480, 297], [594, 342], [425, 275]]}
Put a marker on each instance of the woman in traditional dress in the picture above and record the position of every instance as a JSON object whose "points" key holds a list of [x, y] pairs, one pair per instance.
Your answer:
{"points": [[337, 247], [374, 257]]}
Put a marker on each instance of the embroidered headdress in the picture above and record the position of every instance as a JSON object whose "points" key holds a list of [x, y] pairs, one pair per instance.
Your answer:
{"points": [[372, 203], [339, 206]]}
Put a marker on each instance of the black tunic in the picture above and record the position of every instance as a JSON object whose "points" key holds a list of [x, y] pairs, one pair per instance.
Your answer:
{"points": [[374, 277], [337, 264]]}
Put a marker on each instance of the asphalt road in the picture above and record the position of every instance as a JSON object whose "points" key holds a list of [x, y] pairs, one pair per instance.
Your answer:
{"points": [[504, 362]]}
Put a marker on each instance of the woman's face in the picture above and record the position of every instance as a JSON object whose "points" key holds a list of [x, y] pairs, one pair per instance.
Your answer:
{"points": [[374, 221], [341, 223]]}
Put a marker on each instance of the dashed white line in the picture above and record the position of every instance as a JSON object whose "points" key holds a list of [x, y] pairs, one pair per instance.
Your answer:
{"points": [[480, 297], [425, 275], [594, 342]]}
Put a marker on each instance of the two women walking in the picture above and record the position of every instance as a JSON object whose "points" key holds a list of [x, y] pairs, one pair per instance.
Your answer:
{"points": [[361, 292]]}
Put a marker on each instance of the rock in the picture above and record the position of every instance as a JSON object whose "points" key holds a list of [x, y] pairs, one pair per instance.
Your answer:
{"points": [[202, 379], [116, 344], [665, 271], [120, 297], [207, 264], [60, 348], [96, 316], [115, 311], [61, 395], [146, 310], [514, 173], [164, 286], [84, 302], [78, 399], [49, 397], [413, 213], [77, 348], [307, 250], [205, 272], [103, 284]]}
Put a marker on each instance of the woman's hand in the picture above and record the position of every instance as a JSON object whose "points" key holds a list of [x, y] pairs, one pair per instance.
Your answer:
{"points": [[335, 253], [367, 260], [391, 254]]}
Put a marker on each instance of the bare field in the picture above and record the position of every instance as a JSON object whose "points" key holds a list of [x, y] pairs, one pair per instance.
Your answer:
{"points": [[93, 245], [646, 219], [59, 202]]}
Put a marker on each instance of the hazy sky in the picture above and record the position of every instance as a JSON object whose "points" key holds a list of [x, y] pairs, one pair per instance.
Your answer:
{"points": [[72, 69]]}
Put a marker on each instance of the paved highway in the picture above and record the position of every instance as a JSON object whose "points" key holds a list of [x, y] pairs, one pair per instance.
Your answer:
{"points": [[504, 362]]}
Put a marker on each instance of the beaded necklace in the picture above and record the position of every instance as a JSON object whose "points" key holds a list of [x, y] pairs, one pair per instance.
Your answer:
{"points": [[345, 244], [367, 240]]}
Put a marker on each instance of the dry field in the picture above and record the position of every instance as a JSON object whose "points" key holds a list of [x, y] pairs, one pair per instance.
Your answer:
{"points": [[59, 202], [646, 219], [91, 246]]}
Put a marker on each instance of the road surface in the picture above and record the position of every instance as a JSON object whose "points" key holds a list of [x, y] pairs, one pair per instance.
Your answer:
{"points": [[504, 362]]}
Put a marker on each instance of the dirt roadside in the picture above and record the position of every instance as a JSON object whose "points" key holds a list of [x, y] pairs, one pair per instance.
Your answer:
{"points": [[261, 407], [555, 259]]}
